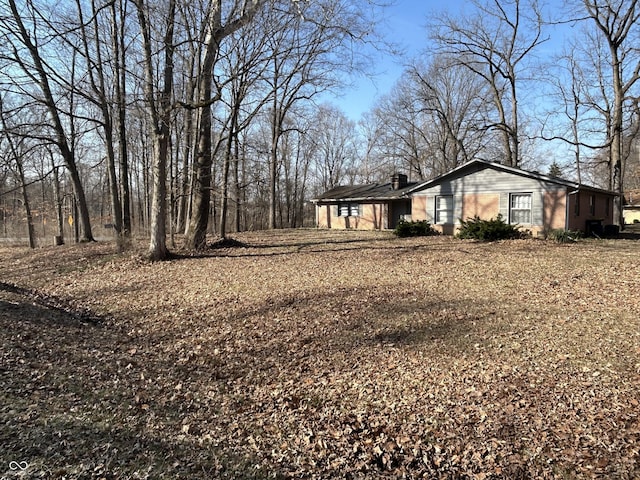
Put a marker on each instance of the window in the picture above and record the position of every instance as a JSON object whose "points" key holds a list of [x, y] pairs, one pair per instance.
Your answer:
{"points": [[520, 208], [348, 210], [444, 209], [592, 205]]}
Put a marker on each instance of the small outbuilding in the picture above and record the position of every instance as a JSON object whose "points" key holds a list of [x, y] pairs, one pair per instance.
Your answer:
{"points": [[631, 208], [631, 214]]}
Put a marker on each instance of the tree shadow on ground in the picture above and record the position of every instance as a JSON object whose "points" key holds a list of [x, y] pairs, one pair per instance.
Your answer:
{"points": [[74, 405], [247, 249]]}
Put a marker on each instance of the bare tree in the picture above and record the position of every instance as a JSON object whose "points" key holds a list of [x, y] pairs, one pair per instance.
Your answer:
{"points": [[311, 42], [244, 64], [90, 46], [404, 140], [619, 24], [14, 144], [433, 118], [158, 103], [20, 37], [309, 50], [494, 41], [186, 89], [452, 98], [571, 94], [371, 129], [223, 19], [119, 51], [334, 137]]}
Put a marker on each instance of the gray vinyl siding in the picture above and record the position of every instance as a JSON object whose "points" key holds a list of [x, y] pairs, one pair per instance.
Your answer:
{"points": [[490, 181], [537, 208]]}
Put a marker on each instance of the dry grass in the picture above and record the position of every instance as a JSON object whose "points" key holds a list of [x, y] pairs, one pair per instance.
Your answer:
{"points": [[313, 354]]}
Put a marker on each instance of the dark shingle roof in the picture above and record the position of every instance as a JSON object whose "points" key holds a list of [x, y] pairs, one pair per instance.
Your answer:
{"points": [[362, 193]]}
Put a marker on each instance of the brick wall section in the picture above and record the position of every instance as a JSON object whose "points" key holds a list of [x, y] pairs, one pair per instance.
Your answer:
{"points": [[323, 216], [555, 208], [373, 216], [484, 205], [418, 207], [578, 218]]}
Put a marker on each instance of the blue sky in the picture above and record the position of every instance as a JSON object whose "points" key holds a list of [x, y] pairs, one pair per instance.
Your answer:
{"points": [[406, 22]]}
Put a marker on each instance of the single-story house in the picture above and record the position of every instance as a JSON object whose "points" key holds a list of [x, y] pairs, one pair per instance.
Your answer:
{"points": [[534, 201], [365, 207]]}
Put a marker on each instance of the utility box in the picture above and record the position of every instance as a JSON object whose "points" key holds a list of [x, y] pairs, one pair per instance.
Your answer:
{"points": [[594, 228]]}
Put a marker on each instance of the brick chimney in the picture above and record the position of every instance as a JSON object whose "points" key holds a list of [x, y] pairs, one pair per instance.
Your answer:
{"points": [[398, 181]]}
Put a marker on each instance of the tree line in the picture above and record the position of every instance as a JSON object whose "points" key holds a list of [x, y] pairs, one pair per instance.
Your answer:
{"points": [[192, 118], [180, 106]]}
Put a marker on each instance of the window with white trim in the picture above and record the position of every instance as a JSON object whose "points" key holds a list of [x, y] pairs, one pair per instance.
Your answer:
{"points": [[520, 208], [444, 209], [349, 210]]}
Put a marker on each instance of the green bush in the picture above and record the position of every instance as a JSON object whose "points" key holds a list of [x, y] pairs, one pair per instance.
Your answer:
{"points": [[564, 236], [488, 230], [420, 228]]}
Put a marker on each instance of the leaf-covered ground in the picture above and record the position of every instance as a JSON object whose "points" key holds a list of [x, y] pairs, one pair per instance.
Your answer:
{"points": [[311, 354]]}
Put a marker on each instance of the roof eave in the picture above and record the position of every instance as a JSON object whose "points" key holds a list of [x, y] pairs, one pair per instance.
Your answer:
{"points": [[513, 170], [358, 199]]}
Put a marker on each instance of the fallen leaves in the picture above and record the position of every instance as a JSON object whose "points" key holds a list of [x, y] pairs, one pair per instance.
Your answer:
{"points": [[349, 355]]}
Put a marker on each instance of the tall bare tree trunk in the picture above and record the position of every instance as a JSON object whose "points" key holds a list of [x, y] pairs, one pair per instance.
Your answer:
{"points": [[58, 201], [273, 166], [195, 237], [159, 112], [615, 21], [120, 82], [237, 189], [224, 206]]}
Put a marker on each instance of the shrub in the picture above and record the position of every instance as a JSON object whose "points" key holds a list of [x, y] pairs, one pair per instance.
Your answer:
{"points": [[420, 228], [488, 230], [564, 236]]}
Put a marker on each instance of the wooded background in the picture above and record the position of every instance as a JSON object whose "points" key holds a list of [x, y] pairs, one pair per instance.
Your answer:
{"points": [[161, 118]]}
